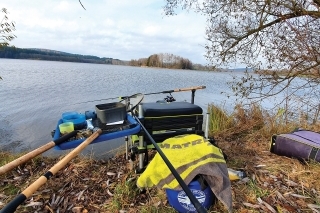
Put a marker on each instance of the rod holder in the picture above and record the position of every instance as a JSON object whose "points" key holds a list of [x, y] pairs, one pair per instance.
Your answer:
{"points": [[141, 142], [206, 133], [192, 95]]}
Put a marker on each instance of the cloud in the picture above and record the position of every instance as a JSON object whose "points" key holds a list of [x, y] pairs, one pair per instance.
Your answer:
{"points": [[126, 29]]}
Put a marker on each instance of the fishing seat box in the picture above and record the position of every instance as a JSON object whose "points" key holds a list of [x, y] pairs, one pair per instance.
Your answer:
{"points": [[300, 144], [165, 120]]}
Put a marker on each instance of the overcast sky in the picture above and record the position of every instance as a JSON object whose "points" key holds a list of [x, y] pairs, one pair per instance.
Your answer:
{"points": [[122, 29]]}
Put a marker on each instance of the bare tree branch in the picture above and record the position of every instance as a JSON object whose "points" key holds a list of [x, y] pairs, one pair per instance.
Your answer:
{"points": [[82, 5], [6, 29], [278, 39]]}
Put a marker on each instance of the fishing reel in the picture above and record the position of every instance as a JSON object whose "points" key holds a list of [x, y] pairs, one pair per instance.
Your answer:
{"points": [[169, 98]]}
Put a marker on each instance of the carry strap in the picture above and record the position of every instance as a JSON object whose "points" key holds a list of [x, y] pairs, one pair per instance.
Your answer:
{"points": [[313, 153]]}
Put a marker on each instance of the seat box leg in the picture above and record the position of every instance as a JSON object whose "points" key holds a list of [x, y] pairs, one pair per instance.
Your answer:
{"points": [[141, 155]]}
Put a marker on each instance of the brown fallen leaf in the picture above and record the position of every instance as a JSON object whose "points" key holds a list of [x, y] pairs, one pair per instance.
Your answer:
{"points": [[266, 205], [313, 206], [254, 206], [289, 208], [34, 204], [291, 183], [299, 196], [49, 209], [76, 209]]}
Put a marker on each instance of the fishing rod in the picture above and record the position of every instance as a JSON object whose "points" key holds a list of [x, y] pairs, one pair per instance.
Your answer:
{"points": [[177, 90], [193, 89], [13, 164], [104, 99], [13, 205], [193, 199]]}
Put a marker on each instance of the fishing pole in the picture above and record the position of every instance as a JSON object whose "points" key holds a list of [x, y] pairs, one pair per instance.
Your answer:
{"points": [[152, 93], [186, 189], [13, 164], [13, 205], [177, 90], [104, 99]]}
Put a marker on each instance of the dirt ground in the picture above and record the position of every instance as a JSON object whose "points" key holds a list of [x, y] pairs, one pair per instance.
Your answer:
{"points": [[273, 184]]}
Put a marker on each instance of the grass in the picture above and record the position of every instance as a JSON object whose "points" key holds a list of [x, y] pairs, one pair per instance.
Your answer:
{"points": [[89, 185], [6, 157], [251, 121], [256, 190], [244, 135], [218, 119], [124, 193], [10, 189]]}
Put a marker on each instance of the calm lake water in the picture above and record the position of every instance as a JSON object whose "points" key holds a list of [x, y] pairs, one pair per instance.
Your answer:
{"points": [[34, 94]]}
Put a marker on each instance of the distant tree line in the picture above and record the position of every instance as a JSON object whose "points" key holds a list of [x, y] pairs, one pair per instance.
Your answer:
{"points": [[165, 60], [162, 60], [51, 55]]}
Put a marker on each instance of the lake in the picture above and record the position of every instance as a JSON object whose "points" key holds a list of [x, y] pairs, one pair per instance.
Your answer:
{"points": [[34, 94]]}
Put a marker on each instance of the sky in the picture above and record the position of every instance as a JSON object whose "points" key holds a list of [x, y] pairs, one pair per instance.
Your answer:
{"points": [[122, 29]]}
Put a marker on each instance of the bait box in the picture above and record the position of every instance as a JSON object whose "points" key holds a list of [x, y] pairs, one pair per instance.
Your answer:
{"points": [[111, 112]]}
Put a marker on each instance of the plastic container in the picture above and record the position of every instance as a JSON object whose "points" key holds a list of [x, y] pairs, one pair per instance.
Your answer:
{"points": [[89, 124], [181, 202], [78, 120], [90, 114], [66, 127], [111, 112], [73, 113], [236, 175]]}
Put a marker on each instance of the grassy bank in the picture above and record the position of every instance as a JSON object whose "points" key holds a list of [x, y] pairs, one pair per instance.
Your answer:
{"points": [[274, 183]]}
